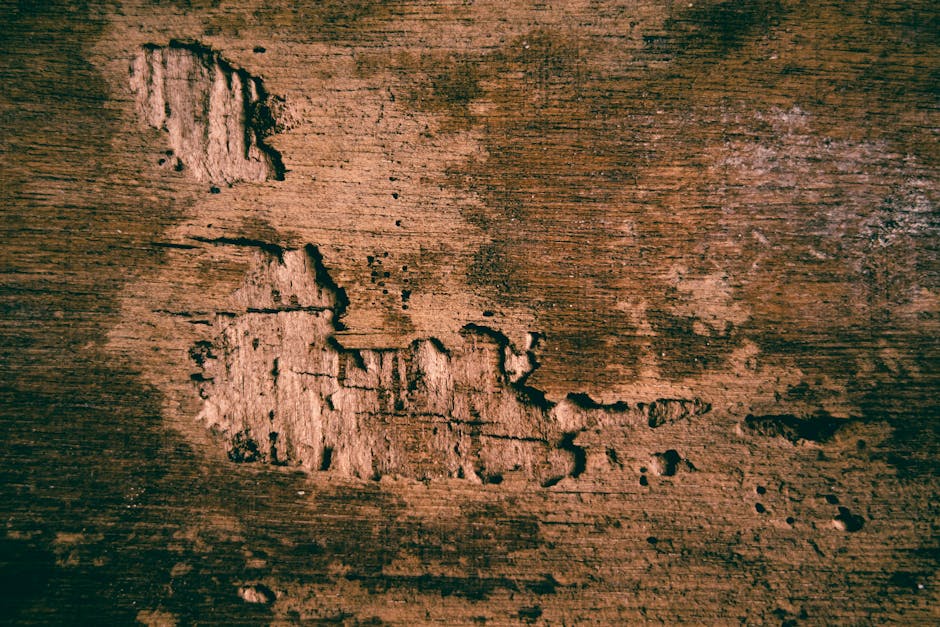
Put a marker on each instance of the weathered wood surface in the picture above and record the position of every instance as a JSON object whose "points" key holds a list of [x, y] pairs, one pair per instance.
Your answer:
{"points": [[624, 312]]}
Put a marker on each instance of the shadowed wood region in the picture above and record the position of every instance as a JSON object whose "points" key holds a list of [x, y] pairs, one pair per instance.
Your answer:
{"points": [[487, 312]]}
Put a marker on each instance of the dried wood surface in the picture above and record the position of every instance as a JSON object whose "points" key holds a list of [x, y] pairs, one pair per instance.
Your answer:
{"points": [[472, 312]]}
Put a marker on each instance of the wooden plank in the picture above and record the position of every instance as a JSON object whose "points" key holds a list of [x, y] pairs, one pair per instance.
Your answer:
{"points": [[619, 311]]}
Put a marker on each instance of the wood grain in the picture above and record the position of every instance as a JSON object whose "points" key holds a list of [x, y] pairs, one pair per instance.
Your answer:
{"points": [[734, 202]]}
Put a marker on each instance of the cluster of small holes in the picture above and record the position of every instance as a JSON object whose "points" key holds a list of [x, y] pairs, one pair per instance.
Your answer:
{"points": [[759, 507], [170, 160], [381, 277]]}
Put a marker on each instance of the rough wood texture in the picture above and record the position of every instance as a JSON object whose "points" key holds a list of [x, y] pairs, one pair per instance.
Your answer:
{"points": [[215, 115], [470, 312]]}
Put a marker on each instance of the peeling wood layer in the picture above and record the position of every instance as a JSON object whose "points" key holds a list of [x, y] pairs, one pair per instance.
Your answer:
{"points": [[216, 115], [280, 387]]}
